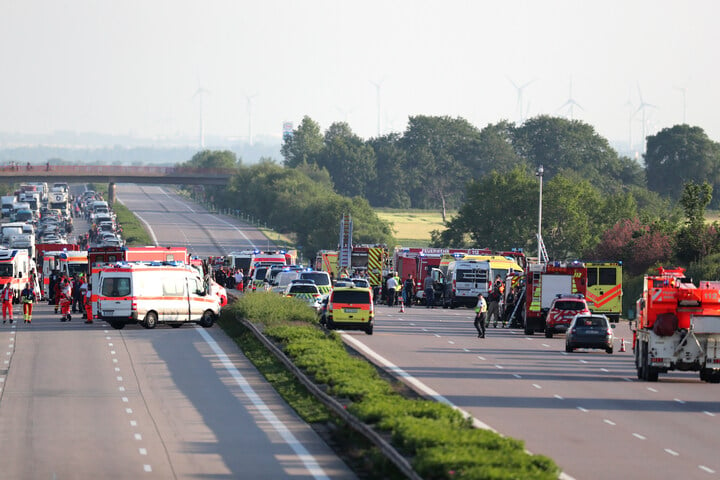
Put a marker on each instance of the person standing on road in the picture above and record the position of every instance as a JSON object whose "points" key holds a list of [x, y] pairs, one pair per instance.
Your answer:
{"points": [[88, 304], [408, 291], [391, 286], [480, 311], [494, 298], [7, 302], [429, 289], [27, 296]]}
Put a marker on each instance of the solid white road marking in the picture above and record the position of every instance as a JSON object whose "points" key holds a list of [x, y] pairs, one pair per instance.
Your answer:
{"points": [[609, 422], [411, 380], [672, 452], [308, 460], [707, 469], [641, 437]]}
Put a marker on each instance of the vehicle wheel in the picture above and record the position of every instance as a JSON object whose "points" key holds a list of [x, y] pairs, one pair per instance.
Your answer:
{"points": [[713, 377], [369, 329], [548, 333], [207, 320], [609, 350], [568, 348], [652, 374], [150, 320], [642, 361], [529, 331], [117, 325], [330, 325], [176, 325]]}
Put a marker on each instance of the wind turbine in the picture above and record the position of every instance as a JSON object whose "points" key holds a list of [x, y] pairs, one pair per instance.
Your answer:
{"points": [[378, 84], [248, 100], [199, 93], [519, 89], [570, 103], [345, 112], [684, 93], [631, 114], [643, 108]]}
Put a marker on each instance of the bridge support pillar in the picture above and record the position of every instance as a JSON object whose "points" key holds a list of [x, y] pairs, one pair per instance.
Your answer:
{"points": [[111, 194]]}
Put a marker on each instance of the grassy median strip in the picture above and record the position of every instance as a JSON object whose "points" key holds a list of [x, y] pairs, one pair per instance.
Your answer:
{"points": [[440, 442]]}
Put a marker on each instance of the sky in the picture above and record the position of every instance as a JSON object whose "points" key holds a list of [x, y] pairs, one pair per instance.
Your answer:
{"points": [[134, 67]]}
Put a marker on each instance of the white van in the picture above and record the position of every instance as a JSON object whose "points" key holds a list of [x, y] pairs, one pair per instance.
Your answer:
{"points": [[173, 294], [464, 281], [7, 205]]}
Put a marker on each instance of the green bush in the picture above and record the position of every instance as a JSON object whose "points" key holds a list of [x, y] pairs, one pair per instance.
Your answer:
{"points": [[270, 308]]}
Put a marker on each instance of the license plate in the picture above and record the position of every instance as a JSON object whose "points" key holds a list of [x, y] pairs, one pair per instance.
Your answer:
{"points": [[108, 312], [351, 310]]}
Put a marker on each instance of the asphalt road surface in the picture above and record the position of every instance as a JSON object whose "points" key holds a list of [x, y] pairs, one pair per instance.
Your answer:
{"points": [[586, 409], [81, 401]]}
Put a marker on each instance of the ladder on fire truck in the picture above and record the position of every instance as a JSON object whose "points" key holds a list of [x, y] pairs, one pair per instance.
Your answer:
{"points": [[345, 254], [542, 254]]}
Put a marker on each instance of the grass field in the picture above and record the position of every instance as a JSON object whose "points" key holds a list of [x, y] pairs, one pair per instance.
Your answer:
{"points": [[412, 227]]}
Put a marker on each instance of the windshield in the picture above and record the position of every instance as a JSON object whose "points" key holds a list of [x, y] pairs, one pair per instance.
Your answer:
{"points": [[303, 289], [77, 269], [569, 305], [116, 287], [260, 273], [9, 231], [320, 278]]}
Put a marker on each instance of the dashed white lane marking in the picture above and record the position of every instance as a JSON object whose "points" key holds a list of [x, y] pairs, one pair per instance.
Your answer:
{"points": [[652, 389], [115, 360], [451, 342], [710, 414], [465, 350], [303, 455], [143, 451], [499, 366], [706, 469], [481, 357], [438, 336], [424, 329], [133, 423], [641, 437], [564, 353], [138, 436], [121, 389], [516, 375], [582, 361], [627, 379], [112, 352], [558, 397], [536, 386], [119, 379], [108, 338], [545, 345], [125, 399], [672, 452], [110, 344], [117, 369], [147, 468], [679, 401], [2, 379], [412, 324], [604, 370], [584, 410], [128, 411], [609, 422]]}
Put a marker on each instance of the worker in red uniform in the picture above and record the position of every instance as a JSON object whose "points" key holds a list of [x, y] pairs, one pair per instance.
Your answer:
{"points": [[7, 296], [88, 304]]}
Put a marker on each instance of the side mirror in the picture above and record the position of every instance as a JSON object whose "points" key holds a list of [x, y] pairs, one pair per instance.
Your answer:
{"points": [[612, 325]]}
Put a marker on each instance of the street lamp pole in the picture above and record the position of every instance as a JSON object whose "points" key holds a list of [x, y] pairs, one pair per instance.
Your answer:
{"points": [[539, 173]]}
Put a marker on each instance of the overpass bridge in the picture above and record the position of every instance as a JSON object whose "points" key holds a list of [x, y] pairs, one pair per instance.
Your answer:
{"points": [[112, 174]]}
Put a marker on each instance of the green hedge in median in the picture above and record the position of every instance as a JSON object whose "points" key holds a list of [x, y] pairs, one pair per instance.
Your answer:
{"points": [[440, 441]]}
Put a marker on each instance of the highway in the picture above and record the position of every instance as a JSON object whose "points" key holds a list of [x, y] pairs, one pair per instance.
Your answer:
{"points": [[586, 409], [82, 401]]}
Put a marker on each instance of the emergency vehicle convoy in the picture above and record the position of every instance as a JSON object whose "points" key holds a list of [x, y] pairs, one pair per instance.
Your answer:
{"points": [[677, 326]]}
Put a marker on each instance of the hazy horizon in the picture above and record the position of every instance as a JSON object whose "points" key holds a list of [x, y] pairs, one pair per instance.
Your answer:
{"points": [[133, 68]]}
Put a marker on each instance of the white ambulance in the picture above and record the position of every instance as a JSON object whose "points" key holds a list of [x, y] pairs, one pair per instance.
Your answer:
{"points": [[149, 294]]}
